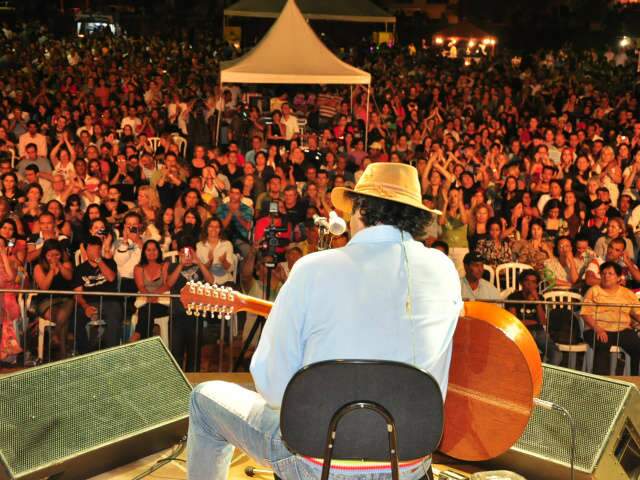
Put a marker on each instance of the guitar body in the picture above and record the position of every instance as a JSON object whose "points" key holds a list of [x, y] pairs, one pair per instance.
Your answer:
{"points": [[495, 371]]}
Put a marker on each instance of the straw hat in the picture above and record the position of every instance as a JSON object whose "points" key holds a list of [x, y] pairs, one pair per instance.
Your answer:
{"points": [[396, 182]]}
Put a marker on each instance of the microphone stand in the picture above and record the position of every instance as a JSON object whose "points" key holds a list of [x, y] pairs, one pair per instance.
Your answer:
{"points": [[324, 237], [324, 242], [258, 325]]}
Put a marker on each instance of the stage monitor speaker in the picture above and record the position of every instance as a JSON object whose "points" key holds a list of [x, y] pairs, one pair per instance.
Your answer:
{"points": [[79, 417], [607, 417]]}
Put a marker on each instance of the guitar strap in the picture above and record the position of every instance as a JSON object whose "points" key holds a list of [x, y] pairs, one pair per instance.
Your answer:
{"points": [[408, 304]]}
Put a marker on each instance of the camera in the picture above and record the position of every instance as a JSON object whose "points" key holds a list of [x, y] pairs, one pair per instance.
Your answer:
{"points": [[273, 208], [271, 240], [133, 229], [11, 243], [102, 232]]}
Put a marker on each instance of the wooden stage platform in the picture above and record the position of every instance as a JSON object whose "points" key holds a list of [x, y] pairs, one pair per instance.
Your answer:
{"points": [[177, 470]]}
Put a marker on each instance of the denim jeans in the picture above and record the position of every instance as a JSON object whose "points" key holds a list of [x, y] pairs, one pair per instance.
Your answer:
{"points": [[224, 416]]}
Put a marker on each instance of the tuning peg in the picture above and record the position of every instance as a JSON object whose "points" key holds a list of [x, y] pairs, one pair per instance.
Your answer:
{"points": [[197, 310], [189, 307], [207, 290], [192, 286]]}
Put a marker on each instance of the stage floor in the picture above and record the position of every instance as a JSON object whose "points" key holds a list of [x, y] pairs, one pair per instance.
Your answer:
{"points": [[177, 470]]}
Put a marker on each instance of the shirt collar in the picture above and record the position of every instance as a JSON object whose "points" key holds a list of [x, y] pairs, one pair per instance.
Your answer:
{"points": [[379, 234]]}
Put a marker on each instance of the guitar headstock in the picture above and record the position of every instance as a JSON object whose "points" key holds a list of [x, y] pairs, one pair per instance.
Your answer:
{"points": [[201, 298]]}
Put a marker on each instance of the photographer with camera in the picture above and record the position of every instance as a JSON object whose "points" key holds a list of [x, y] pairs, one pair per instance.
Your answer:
{"points": [[127, 251]]}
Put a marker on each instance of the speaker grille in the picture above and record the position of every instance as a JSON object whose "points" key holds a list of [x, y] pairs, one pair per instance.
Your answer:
{"points": [[592, 401], [65, 408]]}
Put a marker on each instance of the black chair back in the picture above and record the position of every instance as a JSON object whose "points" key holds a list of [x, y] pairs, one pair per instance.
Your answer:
{"points": [[316, 392]]}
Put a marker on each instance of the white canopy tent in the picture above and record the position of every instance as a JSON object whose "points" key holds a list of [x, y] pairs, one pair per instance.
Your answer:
{"points": [[292, 53]]}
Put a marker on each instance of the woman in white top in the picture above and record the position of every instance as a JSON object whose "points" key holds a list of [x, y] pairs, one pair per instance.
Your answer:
{"points": [[216, 253]]}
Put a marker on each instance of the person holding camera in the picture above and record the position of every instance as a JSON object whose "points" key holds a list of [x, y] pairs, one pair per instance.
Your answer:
{"points": [[186, 330], [127, 251], [97, 274]]}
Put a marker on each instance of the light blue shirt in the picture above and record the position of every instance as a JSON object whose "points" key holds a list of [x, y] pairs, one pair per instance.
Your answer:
{"points": [[485, 290], [351, 303]]}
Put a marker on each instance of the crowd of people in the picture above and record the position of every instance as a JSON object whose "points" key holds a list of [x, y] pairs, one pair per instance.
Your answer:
{"points": [[118, 153]]}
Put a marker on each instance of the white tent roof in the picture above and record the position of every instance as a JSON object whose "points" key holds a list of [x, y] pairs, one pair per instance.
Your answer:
{"points": [[334, 10], [291, 53]]}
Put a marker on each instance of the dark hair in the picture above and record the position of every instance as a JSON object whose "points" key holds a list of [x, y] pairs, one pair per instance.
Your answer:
{"points": [[535, 221], [93, 240], [205, 228], [195, 213], [552, 203], [46, 248], [185, 241], [159, 223], [620, 241], [527, 273], [493, 221], [614, 265], [557, 242], [581, 237], [12, 223], [187, 192], [37, 186], [376, 211], [71, 199], [32, 167], [143, 257], [442, 244]]}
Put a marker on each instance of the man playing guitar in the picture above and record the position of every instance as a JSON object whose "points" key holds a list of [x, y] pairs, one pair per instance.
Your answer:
{"points": [[382, 296]]}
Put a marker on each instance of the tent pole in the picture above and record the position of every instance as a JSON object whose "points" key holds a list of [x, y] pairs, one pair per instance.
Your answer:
{"points": [[351, 99], [219, 114], [366, 131]]}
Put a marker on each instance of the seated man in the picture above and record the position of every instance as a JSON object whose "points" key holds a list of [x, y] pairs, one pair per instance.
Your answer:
{"points": [[533, 315], [382, 296], [98, 274], [606, 326], [474, 287]]}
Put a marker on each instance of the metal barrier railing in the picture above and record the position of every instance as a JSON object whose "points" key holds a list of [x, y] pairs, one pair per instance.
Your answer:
{"points": [[119, 309], [565, 332], [102, 319]]}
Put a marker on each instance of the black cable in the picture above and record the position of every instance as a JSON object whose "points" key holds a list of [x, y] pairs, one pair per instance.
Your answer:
{"points": [[164, 461]]}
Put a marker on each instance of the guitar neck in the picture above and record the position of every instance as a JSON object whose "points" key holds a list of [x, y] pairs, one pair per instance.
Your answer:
{"points": [[254, 305]]}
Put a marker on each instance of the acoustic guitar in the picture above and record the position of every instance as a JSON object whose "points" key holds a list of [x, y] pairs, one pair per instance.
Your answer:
{"points": [[495, 371]]}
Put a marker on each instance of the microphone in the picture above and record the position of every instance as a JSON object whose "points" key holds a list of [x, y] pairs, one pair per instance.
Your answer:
{"points": [[320, 221], [337, 225]]}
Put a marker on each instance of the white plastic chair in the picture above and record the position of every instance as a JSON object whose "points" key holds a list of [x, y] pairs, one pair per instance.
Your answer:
{"points": [[614, 352], [510, 272], [181, 142], [171, 256], [162, 322], [43, 325], [155, 143], [565, 299], [492, 274]]}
